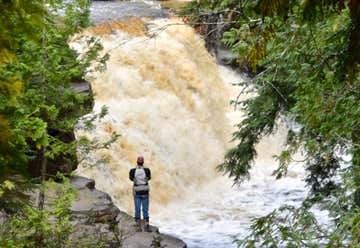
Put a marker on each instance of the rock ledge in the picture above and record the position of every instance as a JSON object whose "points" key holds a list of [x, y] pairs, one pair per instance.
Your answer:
{"points": [[95, 213]]}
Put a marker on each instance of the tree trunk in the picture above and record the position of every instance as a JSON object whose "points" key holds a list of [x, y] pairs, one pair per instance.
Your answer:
{"points": [[354, 44], [44, 161]]}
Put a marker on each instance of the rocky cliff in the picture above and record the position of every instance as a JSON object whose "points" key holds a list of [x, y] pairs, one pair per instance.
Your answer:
{"points": [[94, 213]]}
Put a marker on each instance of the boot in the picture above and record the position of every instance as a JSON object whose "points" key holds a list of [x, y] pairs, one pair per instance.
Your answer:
{"points": [[147, 226], [138, 225]]}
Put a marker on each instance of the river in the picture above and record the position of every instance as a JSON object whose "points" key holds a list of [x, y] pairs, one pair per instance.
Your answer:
{"points": [[169, 100]]}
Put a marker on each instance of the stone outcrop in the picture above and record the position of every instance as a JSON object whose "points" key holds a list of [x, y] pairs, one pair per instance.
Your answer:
{"points": [[95, 214]]}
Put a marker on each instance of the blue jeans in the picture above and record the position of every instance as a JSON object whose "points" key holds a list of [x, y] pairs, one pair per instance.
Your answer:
{"points": [[141, 201]]}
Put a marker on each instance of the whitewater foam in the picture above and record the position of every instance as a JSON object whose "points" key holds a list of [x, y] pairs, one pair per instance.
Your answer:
{"points": [[169, 100]]}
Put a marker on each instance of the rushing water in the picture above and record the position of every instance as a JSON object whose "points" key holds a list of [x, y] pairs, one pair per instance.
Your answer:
{"points": [[169, 100]]}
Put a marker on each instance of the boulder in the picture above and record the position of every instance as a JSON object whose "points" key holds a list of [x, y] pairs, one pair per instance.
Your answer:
{"points": [[92, 206], [82, 87], [145, 240]]}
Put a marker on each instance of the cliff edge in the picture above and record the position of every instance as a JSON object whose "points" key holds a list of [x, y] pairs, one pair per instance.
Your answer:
{"points": [[95, 214]]}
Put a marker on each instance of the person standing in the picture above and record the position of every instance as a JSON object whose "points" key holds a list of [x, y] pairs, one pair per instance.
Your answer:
{"points": [[140, 176]]}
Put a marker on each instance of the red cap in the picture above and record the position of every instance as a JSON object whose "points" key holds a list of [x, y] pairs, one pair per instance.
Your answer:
{"points": [[140, 160]]}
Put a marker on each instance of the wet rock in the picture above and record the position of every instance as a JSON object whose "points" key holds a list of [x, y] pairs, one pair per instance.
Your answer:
{"points": [[82, 87], [144, 240], [80, 183]]}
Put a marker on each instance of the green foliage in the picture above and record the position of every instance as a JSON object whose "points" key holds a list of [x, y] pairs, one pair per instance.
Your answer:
{"points": [[13, 195], [291, 226], [23, 228], [210, 5], [17, 17], [50, 227], [38, 110], [86, 147], [279, 229], [38, 104], [204, 11], [306, 59]]}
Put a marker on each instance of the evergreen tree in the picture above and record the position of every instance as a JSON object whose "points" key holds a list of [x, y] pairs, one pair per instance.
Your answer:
{"points": [[306, 57], [38, 110], [39, 106]]}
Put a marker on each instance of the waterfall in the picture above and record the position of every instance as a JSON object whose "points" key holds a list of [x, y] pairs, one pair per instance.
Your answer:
{"points": [[169, 101]]}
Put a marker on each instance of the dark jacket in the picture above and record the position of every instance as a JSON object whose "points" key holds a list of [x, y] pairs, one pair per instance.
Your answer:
{"points": [[140, 180]]}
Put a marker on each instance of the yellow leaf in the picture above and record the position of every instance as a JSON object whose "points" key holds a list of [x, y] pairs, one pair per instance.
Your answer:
{"points": [[9, 185], [38, 145], [5, 130], [6, 56]]}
